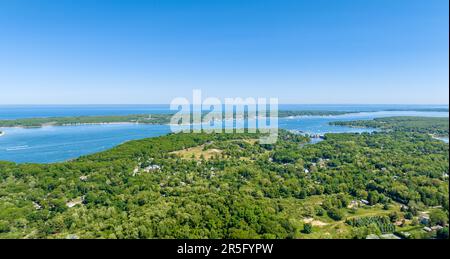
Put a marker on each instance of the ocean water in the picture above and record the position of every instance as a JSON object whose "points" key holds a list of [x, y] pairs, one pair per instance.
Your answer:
{"points": [[55, 144]]}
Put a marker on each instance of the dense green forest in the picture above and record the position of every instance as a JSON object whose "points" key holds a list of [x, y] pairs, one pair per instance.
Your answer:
{"points": [[431, 125], [229, 186]]}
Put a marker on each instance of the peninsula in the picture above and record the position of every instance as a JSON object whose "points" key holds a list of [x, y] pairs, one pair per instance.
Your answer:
{"points": [[436, 126], [160, 118]]}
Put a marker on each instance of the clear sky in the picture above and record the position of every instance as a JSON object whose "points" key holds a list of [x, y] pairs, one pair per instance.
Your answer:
{"points": [[301, 51]]}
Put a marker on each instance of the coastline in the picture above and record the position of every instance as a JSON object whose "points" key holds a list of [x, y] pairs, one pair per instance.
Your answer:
{"points": [[161, 119], [161, 128], [443, 138], [81, 124], [144, 123]]}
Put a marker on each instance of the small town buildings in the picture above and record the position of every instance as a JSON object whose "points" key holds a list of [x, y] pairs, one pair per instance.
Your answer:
{"points": [[365, 202], [424, 219], [152, 168]]}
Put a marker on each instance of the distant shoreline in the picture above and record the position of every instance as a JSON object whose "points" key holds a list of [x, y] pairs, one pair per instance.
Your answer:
{"points": [[157, 119], [77, 124]]}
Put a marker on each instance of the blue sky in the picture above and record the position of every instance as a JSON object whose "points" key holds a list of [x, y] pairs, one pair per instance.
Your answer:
{"points": [[301, 51]]}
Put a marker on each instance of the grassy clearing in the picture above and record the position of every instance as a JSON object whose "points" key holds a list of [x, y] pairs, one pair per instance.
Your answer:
{"points": [[198, 152]]}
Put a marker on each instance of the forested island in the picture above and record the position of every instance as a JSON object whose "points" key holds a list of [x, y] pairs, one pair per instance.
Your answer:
{"points": [[437, 126], [159, 118], [62, 121], [391, 184], [135, 118]]}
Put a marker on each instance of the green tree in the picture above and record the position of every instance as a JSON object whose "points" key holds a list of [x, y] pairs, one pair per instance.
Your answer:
{"points": [[336, 214], [307, 228], [442, 233], [438, 217]]}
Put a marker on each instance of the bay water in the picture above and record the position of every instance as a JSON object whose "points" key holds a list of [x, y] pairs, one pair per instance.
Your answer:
{"points": [[60, 143]]}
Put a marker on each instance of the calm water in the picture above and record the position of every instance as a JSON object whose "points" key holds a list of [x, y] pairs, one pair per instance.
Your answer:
{"points": [[320, 124], [53, 144]]}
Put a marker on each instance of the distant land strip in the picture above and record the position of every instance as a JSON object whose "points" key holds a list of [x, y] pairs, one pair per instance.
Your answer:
{"points": [[160, 119], [436, 126], [135, 118]]}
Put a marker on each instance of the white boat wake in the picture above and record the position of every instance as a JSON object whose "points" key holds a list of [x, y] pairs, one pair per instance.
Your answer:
{"points": [[18, 148]]}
